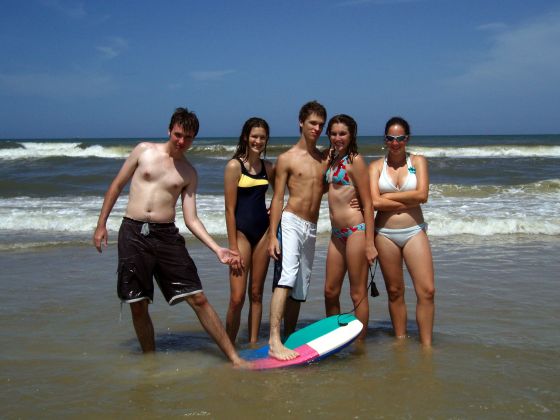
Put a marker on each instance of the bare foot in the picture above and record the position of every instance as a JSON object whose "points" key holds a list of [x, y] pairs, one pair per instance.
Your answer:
{"points": [[280, 352], [427, 348], [240, 363]]}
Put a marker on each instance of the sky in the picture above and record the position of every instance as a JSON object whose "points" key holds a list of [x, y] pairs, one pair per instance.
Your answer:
{"points": [[111, 69]]}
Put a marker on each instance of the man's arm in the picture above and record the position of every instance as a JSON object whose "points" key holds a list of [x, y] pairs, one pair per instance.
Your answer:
{"points": [[195, 225], [100, 235], [276, 205]]}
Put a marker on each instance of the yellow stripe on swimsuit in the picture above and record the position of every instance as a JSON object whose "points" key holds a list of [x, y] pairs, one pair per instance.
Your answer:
{"points": [[247, 182]]}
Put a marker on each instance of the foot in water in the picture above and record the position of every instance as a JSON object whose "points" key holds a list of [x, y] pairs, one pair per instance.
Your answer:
{"points": [[240, 363], [280, 352]]}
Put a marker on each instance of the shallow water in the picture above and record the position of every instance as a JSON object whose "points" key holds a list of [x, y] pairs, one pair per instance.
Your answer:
{"points": [[65, 353]]}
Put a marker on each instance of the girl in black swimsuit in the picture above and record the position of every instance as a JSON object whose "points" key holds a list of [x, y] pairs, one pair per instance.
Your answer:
{"points": [[246, 180]]}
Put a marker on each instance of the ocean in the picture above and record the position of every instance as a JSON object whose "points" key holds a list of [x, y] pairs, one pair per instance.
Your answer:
{"points": [[51, 190], [68, 349]]}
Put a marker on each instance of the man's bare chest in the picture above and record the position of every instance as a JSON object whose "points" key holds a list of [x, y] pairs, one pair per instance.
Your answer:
{"points": [[309, 172], [163, 173]]}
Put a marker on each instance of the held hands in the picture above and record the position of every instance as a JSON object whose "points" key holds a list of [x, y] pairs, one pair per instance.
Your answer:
{"points": [[100, 237], [236, 263], [231, 258]]}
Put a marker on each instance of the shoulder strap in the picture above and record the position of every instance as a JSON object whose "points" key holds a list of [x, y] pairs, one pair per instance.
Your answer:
{"points": [[243, 169], [263, 169]]}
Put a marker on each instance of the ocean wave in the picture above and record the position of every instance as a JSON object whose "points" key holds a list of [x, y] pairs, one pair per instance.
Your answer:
{"points": [[212, 149], [8, 144], [502, 151], [451, 210], [13, 150], [39, 150], [548, 186], [491, 226], [54, 243]]}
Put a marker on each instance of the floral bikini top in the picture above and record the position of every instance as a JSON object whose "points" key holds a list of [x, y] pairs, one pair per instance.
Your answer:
{"points": [[337, 174]]}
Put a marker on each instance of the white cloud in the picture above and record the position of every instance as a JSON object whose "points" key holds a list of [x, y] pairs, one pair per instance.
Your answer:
{"points": [[210, 75], [56, 85], [114, 47], [70, 8], [175, 86], [492, 26], [520, 57]]}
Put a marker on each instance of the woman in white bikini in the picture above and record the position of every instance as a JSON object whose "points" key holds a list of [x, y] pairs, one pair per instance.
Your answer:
{"points": [[399, 184], [351, 246]]}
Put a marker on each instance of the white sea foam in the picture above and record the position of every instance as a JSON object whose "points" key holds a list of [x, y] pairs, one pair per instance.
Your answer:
{"points": [[487, 151], [38, 150], [526, 209], [214, 148]]}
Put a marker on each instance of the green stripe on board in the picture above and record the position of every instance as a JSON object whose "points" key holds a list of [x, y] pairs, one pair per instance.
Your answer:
{"points": [[316, 330]]}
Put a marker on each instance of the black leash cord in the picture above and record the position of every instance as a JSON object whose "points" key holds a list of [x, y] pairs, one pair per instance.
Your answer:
{"points": [[374, 293]]}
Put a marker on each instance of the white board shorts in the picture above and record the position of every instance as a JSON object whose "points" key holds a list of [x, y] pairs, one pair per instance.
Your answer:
{"points": [[297, 244]]}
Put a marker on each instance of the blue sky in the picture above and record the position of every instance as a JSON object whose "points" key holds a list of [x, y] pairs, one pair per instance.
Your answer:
{"points": [[89, 68]]}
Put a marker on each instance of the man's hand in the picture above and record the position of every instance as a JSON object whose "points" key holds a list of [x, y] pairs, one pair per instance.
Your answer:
{"points": [[229, 257], [100, 237]]}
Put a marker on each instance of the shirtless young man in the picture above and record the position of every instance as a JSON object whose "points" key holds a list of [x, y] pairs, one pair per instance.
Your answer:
{"points": [[302, 169], [150, 244]]}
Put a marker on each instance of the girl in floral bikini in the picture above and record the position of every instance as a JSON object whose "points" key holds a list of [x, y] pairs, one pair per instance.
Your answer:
{"points": [[351, 246]]}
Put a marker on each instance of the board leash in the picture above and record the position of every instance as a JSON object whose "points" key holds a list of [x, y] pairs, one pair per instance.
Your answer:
{"points": [[373, 291]]}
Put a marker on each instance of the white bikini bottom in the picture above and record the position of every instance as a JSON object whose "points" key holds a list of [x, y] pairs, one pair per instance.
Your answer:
{"points": [[401, 236]]}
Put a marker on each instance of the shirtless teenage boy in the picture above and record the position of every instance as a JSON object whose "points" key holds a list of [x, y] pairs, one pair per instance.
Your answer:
{"points": [[150, 244], [301, 168]]}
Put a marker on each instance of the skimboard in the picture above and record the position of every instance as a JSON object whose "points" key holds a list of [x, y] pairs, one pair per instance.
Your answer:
{"points": [[314, 342]]}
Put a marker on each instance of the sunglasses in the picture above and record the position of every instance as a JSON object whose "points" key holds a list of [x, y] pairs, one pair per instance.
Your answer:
{"points": [[399, 139]]}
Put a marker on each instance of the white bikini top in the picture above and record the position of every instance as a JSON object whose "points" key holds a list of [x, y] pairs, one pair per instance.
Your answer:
{"points": [[386, 184]]}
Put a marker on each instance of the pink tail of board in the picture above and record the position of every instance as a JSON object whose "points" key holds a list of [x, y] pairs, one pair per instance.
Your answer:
{"points": [[306, 354]]}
